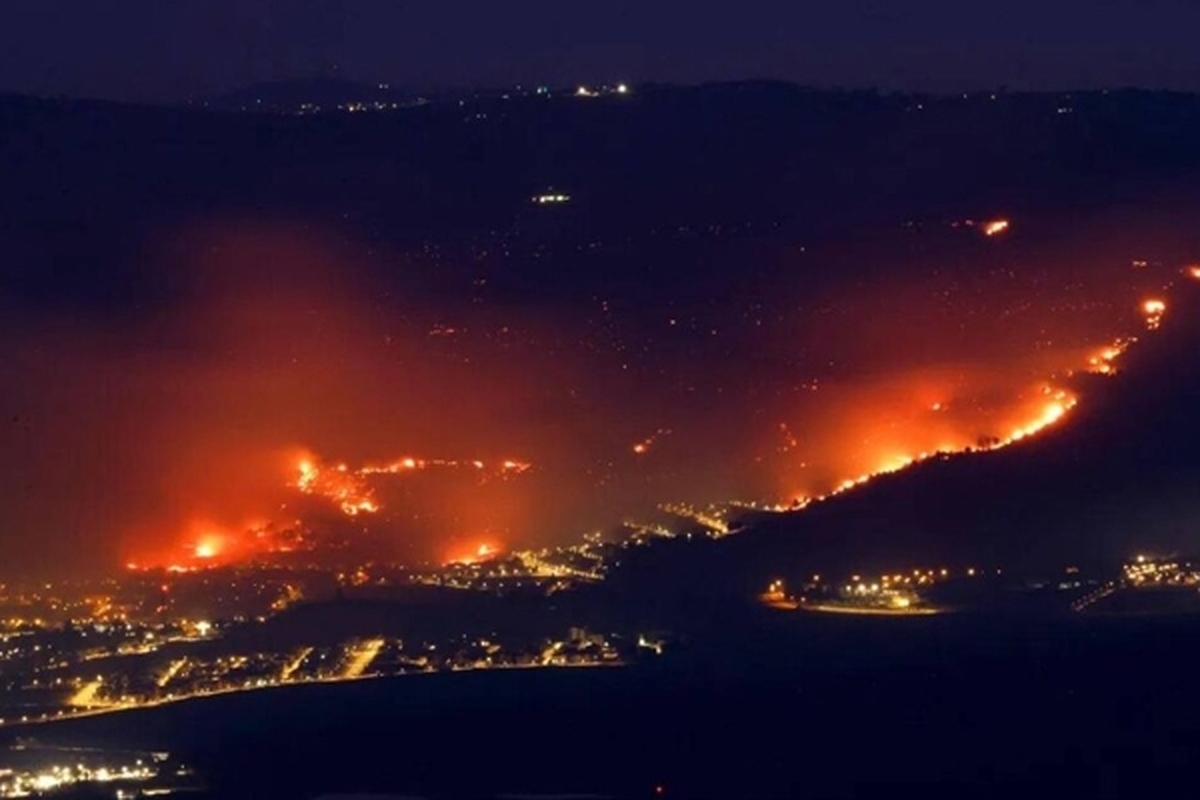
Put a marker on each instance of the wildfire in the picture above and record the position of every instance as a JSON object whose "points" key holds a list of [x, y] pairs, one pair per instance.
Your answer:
{"points": [[1103, 362], [349, 489], [995, 227], [481, 552], [1058, 404], [206, 550], [1154, 310], [410, 464], [339, 485]]}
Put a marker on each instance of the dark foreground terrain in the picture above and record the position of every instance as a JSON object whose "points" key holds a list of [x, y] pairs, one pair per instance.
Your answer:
{"points": [[789, 706]]}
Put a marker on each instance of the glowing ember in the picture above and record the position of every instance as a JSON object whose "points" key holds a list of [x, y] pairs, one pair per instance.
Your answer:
{"points": [[350, 490], [995, 227], [340, 486], [1102, 363], [408, 464], [1154, 310], [643, 447]]}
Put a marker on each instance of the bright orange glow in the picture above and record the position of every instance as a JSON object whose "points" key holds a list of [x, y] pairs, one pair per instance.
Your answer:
{"points": [[206, 550], [1154, 310], [348, 488], [343, 488], [1194, 271], [1102, 363], [481, 552], [995, 227], [418, 439], [1059, 404]]}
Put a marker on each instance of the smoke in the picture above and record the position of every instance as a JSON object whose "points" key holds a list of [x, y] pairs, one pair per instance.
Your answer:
{"points": [[178, 421]]}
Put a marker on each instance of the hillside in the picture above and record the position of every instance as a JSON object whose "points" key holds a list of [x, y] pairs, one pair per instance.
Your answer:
{"points": [[1119, 476]]}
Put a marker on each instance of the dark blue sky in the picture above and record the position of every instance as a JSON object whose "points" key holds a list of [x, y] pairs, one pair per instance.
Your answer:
{"points": [[168, 49]]}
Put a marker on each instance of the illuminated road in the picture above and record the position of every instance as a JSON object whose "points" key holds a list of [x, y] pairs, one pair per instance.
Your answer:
{"points": [[290, 668], [540, 568], [361, 658], [830, 608], [116, 708], [171, 671], [712, 523], [86, 696], [1083, 603]]}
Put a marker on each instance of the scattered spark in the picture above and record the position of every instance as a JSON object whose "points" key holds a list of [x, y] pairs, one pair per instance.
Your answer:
{"points": [[644, 446], [348, 488], [1102, 363]]}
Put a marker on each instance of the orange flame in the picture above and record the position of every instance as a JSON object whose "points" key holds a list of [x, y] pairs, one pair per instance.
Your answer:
{"points": [[995, 227]]}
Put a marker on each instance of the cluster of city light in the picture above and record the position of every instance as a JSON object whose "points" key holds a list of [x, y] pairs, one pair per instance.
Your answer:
{"points": [[1143, 572], [891, 593], [551, 198], [1193, 271], [536, 565], [585, 91], [192, 676], [1147, 571], [60, 777], [716, 525], [889, 582]]}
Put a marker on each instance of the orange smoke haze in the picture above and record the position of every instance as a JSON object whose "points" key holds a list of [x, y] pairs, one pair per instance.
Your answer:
{"points": [[278, 383]]}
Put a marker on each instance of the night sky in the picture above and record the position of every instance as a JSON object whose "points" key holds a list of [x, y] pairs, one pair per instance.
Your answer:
{"points": [[162, 51]]}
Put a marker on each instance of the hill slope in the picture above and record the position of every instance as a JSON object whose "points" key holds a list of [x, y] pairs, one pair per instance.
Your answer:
{"points": [[1120, 475]]}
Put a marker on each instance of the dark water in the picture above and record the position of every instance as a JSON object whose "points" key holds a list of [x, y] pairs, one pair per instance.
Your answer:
{"points": [[947, 707]]}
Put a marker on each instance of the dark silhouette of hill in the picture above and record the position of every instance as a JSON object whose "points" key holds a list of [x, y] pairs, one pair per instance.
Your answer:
{"points": [[289, 96], [1116, 477], [84, 179]]}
